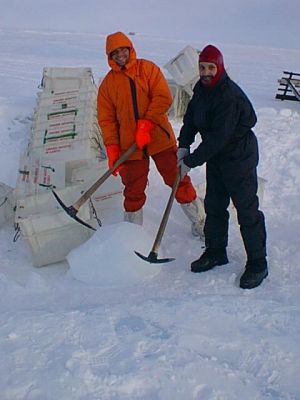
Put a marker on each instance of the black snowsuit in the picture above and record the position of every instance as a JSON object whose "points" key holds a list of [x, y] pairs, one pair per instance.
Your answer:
{"points": [[225, 117]]}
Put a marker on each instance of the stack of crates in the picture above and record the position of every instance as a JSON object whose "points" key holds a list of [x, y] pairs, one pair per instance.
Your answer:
{"points": [[65, 123], [65, 153]]}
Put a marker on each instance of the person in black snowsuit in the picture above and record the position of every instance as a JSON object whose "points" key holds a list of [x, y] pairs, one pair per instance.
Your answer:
{"points": [[224, 116]]}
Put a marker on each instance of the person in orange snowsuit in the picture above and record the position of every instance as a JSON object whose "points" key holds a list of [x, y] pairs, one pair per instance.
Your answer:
{"points": [[144, 121]]}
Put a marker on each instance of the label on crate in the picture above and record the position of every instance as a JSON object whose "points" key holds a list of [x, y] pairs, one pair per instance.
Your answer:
{"points": [[36, 176]]}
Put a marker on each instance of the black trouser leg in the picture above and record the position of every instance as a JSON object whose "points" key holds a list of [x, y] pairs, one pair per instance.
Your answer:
{"points": [[216, 203], [240, 178], [250, 218]]}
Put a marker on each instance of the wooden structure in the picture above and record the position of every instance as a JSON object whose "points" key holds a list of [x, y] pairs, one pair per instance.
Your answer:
{"points": [[289, 87]]}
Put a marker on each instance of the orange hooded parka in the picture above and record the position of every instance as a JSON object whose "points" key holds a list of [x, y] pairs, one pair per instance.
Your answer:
{"points": [[115, 106]]}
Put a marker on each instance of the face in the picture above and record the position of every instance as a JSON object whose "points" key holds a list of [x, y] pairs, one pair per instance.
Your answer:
{"points": [[120, 56], [207, 72]]}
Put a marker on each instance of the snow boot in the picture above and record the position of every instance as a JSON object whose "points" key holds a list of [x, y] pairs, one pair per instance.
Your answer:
{"points": [[209, 259], [135, 217], [196, 214], [256, 271]]}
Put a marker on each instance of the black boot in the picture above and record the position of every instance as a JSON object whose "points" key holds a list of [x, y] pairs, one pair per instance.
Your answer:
{"points": [[256, 271], [209, 259]]}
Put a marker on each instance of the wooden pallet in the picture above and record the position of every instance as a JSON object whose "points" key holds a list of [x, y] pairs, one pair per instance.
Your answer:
{"points": [[288, 87]]}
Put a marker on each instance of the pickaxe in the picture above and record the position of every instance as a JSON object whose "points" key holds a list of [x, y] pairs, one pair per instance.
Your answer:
{"points": [[74, 208], [152, 257]]}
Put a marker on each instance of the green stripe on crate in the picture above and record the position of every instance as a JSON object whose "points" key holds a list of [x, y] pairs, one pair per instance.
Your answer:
{"points": [[75, 111], [71, 134], [45, 136]]}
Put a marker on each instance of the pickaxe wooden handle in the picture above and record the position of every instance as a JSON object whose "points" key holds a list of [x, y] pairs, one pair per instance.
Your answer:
{"points": [[152, 257]]}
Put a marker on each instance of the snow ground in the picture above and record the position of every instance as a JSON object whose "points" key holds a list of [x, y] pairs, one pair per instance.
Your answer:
{"points": [[165, 333]]}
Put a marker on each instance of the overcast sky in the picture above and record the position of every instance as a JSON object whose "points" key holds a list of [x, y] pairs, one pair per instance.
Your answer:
{"points": [[272, 23]]}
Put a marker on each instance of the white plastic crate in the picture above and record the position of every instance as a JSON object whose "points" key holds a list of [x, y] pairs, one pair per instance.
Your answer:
{"points": [[64, 96], [188, 88], [67, 150], [36, 223], [49, 134], [45, 203], [58, 78], [52, 104], [53, 245], [36, 176], [51, 233], [108, 198], [109, 206], [82, 115], [184, 67]]}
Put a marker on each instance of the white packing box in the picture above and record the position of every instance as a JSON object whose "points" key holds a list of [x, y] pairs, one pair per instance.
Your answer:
{"points": [[58, 78], [46, 203], [108, 198], [184, 67], [67, 149], [50, 232], [49, 246]]}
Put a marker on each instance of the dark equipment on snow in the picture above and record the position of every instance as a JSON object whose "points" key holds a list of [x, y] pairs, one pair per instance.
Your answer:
{"points": [[289, 87], [152, 257], [74, 208]]}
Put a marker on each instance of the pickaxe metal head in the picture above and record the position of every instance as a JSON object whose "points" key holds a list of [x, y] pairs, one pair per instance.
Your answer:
{"points": [[71, 211], [152, 258]]}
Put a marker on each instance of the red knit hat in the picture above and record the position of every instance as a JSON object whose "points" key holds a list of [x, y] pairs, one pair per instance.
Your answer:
{"points": [[213, 55]]}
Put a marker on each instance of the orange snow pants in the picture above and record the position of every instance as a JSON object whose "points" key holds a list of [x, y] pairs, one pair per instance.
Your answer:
{"points": [[134, 175]]}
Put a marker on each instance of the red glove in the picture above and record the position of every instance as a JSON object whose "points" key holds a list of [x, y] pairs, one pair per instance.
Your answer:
{"points": [[113, 153], [142, 135]]}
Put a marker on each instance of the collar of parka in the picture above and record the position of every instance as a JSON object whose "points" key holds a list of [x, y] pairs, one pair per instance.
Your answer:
{"points": [[113, 42]]}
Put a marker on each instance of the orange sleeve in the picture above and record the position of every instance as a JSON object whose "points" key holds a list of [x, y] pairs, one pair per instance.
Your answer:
{"points": [[106, 112]]}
